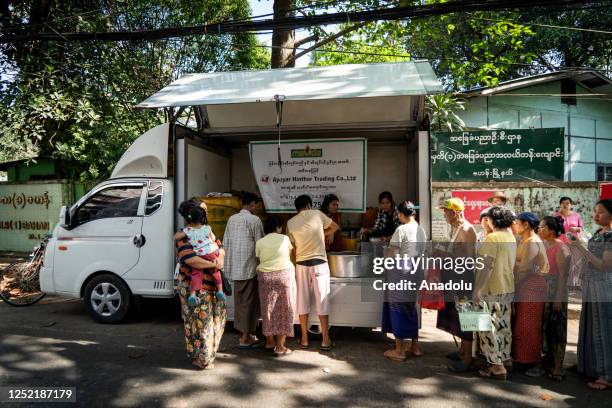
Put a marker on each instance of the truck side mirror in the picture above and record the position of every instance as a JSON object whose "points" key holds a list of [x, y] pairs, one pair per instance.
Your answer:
{"points": [[64, 217]]}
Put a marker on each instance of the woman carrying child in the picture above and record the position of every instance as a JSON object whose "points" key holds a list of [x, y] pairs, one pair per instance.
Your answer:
{"points": [[206, 246], [203, 324]]}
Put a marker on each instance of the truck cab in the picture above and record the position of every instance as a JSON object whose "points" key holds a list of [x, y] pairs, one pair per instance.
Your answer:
{"points": [[116, 241]]}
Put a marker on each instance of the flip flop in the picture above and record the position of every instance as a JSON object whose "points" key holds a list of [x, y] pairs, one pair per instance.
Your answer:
{"points": [[486, 373], [535, 372], [454, 356], [304, 346], [599, 386], [200, 366], [327, 348], [283, 353], [556, 377], [250, 346], [413, 354], [460, 367]]}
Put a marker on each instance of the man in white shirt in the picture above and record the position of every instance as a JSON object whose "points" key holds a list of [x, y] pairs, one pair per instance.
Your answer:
{"points": [[241, 233], [308, 231]]}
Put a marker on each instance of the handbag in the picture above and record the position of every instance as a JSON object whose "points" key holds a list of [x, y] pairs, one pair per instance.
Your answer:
{"points": [[227, 286], [432, 299], [472, 320]]}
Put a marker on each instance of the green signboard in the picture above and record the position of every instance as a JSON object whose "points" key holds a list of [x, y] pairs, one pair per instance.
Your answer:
{"points": [[499, 154]]}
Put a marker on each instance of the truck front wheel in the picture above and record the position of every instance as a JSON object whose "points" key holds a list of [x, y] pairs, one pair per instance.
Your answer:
{"points": [[107, 298]]}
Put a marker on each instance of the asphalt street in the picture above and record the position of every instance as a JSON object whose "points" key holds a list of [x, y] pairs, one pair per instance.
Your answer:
{"points": [[142, 363]]}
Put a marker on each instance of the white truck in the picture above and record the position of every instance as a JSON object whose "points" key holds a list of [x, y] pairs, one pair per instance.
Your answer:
{"points": [[115, 243]]}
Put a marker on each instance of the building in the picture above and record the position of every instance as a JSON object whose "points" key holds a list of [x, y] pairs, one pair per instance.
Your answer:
{"points": [[31, 197], [579, 101]]}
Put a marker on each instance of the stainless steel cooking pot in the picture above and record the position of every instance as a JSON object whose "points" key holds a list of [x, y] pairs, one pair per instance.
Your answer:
{"points": [[347, 264]]}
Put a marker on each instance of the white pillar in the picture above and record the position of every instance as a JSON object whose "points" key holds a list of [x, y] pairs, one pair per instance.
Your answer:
{"points": [[424, 178]]}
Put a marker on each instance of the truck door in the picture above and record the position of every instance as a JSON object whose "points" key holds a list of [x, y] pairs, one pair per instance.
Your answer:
{"points": [[104, 235], [153, 274]]}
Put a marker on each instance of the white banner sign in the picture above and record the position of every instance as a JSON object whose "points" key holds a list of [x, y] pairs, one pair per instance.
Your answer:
{"points": [[313, 167]]}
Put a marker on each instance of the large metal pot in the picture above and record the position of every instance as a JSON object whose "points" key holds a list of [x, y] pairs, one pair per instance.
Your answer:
{"points": [[349, 264]]}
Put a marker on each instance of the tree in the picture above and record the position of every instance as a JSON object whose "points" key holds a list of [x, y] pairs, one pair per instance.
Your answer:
{"points": [[284, 45], [442, 109], [479, 48], [283, 41], [570, 47], [76, 100]]}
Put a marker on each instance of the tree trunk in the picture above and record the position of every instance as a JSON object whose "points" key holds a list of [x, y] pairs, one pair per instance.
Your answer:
{"points": [[283, 41]]}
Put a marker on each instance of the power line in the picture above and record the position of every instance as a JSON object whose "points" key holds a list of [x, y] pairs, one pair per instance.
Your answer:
{"points": [[313, 4], [415, 57], [589, 30], [288, 23]]}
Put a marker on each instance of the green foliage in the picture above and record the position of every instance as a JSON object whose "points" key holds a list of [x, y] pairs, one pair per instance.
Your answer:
{"points": [[375, 42], [476, 49], [471, 52], [442, 109], [571, 47], [75, 100]]}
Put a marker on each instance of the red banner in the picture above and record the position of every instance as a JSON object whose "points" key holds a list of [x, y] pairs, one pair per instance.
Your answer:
{"points": [[475, 201], [605, 190]]}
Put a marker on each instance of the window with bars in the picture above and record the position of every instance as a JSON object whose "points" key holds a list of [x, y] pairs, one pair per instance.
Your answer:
{"points": [[604, 172]]}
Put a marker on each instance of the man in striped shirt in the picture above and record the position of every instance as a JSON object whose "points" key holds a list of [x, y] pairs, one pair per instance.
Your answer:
{"points": [[241, 233]]}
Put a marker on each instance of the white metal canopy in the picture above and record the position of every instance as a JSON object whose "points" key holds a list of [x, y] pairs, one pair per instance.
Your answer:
{"points": [[330, 82]]}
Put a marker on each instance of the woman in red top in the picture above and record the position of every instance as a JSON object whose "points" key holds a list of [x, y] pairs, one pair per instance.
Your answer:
{"points": [[329, 207], [555, 309]]}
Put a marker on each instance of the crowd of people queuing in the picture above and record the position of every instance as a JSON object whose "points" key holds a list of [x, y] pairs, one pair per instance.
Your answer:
{"points": [[528, 269], [529, 264]]}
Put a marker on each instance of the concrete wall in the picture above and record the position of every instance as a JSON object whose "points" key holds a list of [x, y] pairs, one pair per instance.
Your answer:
{"points": [[588, 124], [30, 210], [538, 198]]}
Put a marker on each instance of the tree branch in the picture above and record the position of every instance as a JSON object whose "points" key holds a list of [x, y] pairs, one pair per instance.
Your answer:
{"points": [[546, 63], [306, 40], [329, 39]]}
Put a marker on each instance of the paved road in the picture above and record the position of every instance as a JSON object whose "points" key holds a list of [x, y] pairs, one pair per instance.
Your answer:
{"points": [[142, 363]]}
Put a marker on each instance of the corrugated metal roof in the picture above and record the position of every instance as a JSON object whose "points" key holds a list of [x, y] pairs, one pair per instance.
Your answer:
{"points": [[589, 79]]}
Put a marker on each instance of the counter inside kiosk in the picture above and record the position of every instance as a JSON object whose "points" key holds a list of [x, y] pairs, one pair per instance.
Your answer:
{"points": [[381, 104]]}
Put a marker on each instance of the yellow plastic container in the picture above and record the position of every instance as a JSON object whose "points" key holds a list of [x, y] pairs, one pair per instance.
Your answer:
{"points": [[219, 211]]}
